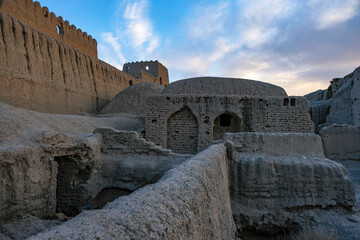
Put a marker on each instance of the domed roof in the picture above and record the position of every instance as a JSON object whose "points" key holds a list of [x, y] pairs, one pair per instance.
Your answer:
{"points": [[132, 99], [223, 86]]}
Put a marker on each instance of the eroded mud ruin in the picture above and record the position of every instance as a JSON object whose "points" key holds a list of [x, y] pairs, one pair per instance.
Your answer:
{"points": [[199, 158]]}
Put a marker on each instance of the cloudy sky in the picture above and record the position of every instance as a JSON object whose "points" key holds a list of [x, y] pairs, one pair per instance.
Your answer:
{"points": [[299, 45]]}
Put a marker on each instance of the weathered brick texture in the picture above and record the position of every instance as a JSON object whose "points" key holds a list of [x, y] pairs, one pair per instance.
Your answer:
{"points": [[273, 114], [182, 131]]}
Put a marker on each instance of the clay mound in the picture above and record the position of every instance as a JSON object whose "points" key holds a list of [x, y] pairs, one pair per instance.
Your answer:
{"points": [[132, 99], [223, 86], [21, 126]]}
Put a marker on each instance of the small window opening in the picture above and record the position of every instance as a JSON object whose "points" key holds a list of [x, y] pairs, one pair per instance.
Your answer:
{"points": [[147, 68], [286, 102], [160, 80], [130, 82], [127, 69], [60, 30], [292, 102], [225, 120]]}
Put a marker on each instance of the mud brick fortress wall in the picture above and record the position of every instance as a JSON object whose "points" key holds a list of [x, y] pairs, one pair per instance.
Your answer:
{"points": [[188, 123], [49, 71], [40, 19]]}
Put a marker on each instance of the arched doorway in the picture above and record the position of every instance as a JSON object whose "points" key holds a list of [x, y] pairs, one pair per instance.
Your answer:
{"points": [[224, 123], [182, 132]]}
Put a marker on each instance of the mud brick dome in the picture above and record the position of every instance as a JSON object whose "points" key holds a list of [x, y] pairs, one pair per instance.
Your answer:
{"points": [[224, 86]]}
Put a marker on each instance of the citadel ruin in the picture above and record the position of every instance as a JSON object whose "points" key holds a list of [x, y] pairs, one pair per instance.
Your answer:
{"points": [[129, 155], [51, 66]]}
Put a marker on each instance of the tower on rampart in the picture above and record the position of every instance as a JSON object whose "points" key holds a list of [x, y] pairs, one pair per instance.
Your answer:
{"points": [[39, 18], [141, 70], [48, 65]]}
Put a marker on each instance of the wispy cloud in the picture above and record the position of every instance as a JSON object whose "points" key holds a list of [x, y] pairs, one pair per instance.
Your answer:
{"points": [[279, 41], [138, 26], [133, 34], [205, 20], [225, 32], [330, 13], [260, 20], [111, 51], [299, 45]]}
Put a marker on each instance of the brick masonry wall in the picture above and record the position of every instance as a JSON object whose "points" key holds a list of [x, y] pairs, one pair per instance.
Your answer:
{"points": [[182, 131], [125, 142], [291, 114], [277, 114]]}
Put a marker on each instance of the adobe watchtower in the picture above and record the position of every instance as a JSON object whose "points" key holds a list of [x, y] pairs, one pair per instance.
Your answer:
{"points": [[140, 70]]}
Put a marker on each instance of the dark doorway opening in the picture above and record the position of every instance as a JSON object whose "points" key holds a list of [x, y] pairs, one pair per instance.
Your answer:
{"points": [[224, 123], [71, 188]]}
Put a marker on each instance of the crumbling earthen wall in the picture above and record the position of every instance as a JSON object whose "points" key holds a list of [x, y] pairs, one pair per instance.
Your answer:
{"points": [[339, 104], [30, 177], [278, 180], [28, 183], [40, 73], [341, 141], [128, 142], [191, 201], [129, 162], [39, 18], [254, 114]]}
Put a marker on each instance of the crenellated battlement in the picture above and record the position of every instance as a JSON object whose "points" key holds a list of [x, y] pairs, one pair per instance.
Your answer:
{"points": [[41, 19], [49, 65]]}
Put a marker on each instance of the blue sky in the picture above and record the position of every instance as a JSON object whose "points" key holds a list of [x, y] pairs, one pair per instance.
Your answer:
{"points": [[298, 45]]}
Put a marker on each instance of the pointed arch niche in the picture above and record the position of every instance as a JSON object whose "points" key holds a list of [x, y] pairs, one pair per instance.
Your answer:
{"points": [[182, 131]]}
